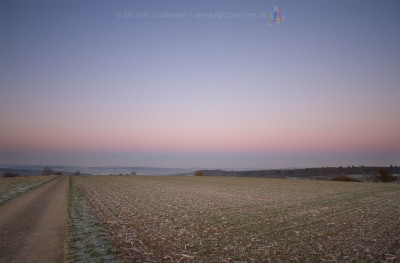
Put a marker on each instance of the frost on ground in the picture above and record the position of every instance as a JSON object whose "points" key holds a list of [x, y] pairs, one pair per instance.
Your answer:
{"points": [[222, 219], [88, 242], [13, 186]]}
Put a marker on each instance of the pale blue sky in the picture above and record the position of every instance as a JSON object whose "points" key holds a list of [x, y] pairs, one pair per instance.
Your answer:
{"points": [[82, 85]]}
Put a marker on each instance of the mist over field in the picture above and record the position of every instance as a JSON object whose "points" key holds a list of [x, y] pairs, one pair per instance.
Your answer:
{"points": [[69, 170]]}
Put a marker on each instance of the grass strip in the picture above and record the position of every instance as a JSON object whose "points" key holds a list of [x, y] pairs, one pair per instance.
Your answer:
{"points": [[88, 241]]}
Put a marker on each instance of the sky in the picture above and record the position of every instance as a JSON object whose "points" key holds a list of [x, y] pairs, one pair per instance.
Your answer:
{"points": [[205, 84]]}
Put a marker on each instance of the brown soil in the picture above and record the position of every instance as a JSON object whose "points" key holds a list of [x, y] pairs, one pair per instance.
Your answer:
{"points": [[33, 226], [231, 219]]}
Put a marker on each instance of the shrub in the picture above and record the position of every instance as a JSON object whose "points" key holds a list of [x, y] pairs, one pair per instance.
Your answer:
{"points": [[384, 176], [345, 178], [8, 174], [199, 173]]}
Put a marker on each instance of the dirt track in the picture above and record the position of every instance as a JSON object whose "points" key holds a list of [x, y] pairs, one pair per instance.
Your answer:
{"points": [[33, 226]]}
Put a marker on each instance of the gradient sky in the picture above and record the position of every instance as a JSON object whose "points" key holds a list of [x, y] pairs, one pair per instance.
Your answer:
{"points": [[121, 83]]}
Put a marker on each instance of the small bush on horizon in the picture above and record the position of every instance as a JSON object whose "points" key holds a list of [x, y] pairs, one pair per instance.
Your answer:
{"points": [[345, 178], [384, 176], [47, 170], [8, 174], [199, 173]]}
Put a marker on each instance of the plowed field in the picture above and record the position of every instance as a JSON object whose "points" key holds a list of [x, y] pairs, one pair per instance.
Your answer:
{"points": [[222, 219]]}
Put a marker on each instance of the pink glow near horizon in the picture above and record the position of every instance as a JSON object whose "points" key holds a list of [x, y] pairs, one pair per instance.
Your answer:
{"points": [[84, 80], [198, 138]]}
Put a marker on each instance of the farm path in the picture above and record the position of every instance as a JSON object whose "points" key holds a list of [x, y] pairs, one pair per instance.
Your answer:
{"points": [[33, 226]]}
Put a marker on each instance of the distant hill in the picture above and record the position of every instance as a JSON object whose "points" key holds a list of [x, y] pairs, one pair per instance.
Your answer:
{"points": [[29, 172]]}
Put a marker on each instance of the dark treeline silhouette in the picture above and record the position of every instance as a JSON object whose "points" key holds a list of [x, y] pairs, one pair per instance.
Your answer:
{"points": [[305, 172]]}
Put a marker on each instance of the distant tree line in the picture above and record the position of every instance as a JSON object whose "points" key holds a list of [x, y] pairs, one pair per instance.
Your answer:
{"points": [[311, 172]]}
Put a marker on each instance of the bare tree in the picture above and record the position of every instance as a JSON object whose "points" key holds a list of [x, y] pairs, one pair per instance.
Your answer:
{"points": [[384, 175], [47, 170]]}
